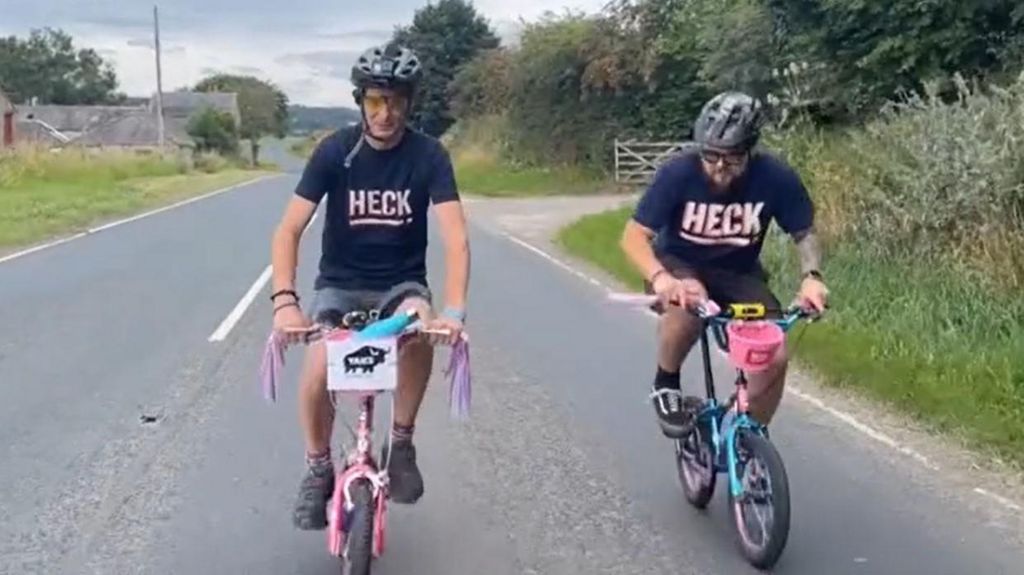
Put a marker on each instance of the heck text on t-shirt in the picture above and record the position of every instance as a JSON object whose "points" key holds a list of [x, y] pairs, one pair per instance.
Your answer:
{"points": [[379, 207]]}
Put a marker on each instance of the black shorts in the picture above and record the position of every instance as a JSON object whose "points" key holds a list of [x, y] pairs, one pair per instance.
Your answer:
{"points": [[724, 286]]}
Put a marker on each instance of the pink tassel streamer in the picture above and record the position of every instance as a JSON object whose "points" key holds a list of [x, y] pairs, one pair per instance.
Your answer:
{"points": [[459, 389], [270, 370]]}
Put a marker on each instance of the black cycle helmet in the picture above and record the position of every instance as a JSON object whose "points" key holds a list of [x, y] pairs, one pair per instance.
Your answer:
{"points": [[386, 67], [730, 121]]}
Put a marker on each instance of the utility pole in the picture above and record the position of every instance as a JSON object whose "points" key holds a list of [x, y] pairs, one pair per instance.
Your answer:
{"points": [[159, 80]]}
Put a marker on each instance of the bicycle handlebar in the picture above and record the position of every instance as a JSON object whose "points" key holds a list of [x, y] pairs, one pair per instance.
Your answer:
{"points": [[318, 330], [397, 324], [712, 313], [458, 369]]}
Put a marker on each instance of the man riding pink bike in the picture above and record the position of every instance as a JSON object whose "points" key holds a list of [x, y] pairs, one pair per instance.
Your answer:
{"points": [[379, 180]]}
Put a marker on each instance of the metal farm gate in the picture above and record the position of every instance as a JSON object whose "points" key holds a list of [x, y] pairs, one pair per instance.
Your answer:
{"points": [[636, 161]]}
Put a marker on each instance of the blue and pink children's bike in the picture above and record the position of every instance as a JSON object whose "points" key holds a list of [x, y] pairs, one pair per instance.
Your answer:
{"points": [[759, 506]]}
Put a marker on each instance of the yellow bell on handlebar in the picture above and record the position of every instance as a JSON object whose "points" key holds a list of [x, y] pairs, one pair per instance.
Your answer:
{"points": [[747, 310]]}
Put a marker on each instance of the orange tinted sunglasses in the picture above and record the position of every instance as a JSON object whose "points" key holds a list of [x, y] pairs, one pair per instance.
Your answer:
{"points": [[376, 103]]}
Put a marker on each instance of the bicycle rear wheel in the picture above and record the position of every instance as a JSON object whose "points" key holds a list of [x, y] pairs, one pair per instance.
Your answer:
{"points": [[359, 536], [760, 534]]}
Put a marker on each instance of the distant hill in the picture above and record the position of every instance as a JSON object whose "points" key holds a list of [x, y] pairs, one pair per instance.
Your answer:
{"points": [[306, 119]]}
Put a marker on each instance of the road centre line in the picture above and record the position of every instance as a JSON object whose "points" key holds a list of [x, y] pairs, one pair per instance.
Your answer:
{"points": [[235, 315]]}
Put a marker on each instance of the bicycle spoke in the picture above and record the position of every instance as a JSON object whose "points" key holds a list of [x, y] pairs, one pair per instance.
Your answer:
{"points": [[756, 491]]}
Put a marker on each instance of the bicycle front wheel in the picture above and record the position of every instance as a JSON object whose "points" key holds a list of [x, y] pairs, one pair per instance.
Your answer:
{"points": [[359, 537], [761, 512]]}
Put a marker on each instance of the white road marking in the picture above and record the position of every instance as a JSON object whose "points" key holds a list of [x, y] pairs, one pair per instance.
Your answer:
{"points": [[243, 304], [41, 247], [866, 430], [844, 417], [107, 226], [999, 498], [556, 261]]}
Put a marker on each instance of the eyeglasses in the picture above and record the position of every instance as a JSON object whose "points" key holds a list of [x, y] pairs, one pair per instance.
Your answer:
{"points": [[713, 157], [375, 103]]}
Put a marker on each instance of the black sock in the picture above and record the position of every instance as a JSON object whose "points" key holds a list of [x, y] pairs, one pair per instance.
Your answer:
{"points": [[666, 380]]}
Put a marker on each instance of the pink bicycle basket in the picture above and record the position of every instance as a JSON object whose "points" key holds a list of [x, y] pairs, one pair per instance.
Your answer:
{"points": [[754, 344]]}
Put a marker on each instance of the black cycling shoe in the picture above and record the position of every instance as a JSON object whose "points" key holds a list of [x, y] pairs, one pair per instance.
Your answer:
{"points": [[404, 478], [676, 413], [317, 486]]}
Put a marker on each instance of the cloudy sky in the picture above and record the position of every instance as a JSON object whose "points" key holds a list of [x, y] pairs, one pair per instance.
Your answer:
{"points": [[304, 46]]}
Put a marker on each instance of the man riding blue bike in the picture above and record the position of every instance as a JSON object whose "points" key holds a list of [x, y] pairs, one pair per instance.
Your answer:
{"points": [[379, 179], [706, 214]]}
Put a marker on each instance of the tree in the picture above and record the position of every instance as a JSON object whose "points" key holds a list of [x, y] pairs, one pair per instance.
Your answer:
{"points": [[47, 66], [481, 86], [446, 36], [214, 130], [736, 40], [877, 49], [262, 106]]}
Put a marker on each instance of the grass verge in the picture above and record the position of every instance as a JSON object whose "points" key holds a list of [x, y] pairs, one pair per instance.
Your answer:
{"points": [[484, 166], [906, 333], [488, 177], [41, 197], [303, 146]]}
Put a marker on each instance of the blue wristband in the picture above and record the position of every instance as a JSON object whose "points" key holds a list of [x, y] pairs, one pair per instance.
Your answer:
{"points": [[454, 314]]}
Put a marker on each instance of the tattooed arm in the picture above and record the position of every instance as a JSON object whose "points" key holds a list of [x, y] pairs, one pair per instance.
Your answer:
{"points": [[809, 249], [812, 288]]}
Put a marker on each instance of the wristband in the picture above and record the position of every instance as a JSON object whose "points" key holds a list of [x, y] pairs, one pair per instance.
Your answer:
{"points": [[284, 305], [278, 293], [455, 314]]}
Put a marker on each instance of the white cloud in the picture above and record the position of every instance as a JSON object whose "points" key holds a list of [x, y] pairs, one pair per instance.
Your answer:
{"points": [[304, 46]]}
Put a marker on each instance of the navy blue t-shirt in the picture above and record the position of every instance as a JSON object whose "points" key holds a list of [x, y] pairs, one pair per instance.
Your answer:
{"points": [[375, 227], [723, 230]]}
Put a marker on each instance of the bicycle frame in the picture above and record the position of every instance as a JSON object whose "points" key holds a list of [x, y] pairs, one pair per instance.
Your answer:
{"points": [[360, 464], [714, 411]]}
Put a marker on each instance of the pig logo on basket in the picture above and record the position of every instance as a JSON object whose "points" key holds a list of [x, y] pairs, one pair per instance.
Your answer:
{"points": [[365, 359]]}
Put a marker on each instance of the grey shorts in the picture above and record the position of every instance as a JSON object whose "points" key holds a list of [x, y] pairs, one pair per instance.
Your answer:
{"points": [[330, 304]]}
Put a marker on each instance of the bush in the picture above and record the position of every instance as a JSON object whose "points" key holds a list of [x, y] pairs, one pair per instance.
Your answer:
{"points": [[210, 162], [214, 130], [928, 179]]}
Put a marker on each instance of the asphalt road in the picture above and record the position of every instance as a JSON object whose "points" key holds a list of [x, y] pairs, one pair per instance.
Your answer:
{"points": [[560, 470]]}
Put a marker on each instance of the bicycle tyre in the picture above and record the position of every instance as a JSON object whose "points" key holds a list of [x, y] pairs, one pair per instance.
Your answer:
{"points": [[697, 478], [766, 555], [359, 536]]}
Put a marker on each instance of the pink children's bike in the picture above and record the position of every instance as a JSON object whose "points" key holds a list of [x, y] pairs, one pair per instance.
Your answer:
{"points": [[362, 362]]}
